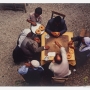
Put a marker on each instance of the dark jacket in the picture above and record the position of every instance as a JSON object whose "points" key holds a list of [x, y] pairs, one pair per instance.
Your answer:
{"points": [[50, 27], [33, 76]]}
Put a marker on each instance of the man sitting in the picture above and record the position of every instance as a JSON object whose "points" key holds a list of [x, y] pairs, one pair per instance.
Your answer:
{"points": [[18, 54], [60, 66], [31, 49], [82, 49], [31, 72], [56, 26], [35, 16]]}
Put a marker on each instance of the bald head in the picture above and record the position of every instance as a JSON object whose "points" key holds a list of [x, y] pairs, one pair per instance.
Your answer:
{"points": [[58, 58]]}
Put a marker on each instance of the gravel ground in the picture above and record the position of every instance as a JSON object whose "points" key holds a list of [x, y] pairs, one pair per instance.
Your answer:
{"points": [[13, 22]]}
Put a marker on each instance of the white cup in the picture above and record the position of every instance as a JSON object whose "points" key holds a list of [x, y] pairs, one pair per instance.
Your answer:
{"points": [[47, 36], [46, 58]]}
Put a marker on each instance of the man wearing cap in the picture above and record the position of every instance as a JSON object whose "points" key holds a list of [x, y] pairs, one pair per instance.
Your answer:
{"points": [[31, 72]]}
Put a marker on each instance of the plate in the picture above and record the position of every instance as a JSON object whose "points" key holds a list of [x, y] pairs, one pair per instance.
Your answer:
{"points": [[34, 28]]}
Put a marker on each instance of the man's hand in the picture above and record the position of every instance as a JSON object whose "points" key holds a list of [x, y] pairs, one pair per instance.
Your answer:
{"points": [[70, 43], [55, 34], [27, 64], [58, 34], [72, 47], [47, 47], [33, 23], [57, 43]]}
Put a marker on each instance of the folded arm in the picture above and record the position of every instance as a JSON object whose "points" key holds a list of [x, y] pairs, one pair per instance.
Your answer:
{"points": [[48, 28], [64, 28]]}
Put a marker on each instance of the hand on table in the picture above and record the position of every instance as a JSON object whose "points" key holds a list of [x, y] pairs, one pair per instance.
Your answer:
{"points": [[56, 34], [58, 44], [70, 44], [47, 47]]}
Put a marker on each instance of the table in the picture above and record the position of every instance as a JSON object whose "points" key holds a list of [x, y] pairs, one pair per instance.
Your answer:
{"points": [[68, 36]]}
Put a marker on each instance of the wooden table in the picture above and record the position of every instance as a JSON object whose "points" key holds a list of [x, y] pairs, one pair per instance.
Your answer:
{"points": [[64, 42]]}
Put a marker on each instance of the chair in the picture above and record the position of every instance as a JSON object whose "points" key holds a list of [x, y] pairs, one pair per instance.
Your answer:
{"points": [[15, 6], [59, 81], [56, 13]]}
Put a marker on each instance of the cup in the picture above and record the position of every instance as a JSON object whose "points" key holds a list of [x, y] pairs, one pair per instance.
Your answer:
{"points": [[47, 36], [46, 58]]}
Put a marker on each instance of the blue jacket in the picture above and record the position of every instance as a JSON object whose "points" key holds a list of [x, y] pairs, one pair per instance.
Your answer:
{"points": [[50, 27]]}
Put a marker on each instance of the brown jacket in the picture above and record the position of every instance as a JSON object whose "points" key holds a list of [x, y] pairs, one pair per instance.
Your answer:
{"points": [[30, 47]]}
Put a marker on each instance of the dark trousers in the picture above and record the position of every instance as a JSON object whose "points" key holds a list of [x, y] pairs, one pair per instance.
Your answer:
{"points": [[78, 39], [47, 72], [18, 55], [80, 57]]}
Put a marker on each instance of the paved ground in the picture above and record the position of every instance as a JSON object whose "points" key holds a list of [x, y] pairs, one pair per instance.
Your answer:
{"points": [[12, 23]]}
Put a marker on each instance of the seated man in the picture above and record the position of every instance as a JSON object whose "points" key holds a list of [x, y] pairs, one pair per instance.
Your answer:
{"points": [[35, 16], [82, 49], [31, 49], [18, 54], [32, 72], [56, 26], [83, 43], [60, 66]]}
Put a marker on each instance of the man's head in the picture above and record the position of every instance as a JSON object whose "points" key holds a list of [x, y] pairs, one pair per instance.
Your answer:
{"points": [[35, 63], [37, 39], [57, 20], [58, 58], [38, 11]]}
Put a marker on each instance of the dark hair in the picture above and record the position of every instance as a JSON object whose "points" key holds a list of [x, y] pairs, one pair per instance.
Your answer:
{"points": [[55, 58], [38, 10], [34, 36], [57, 19]]}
